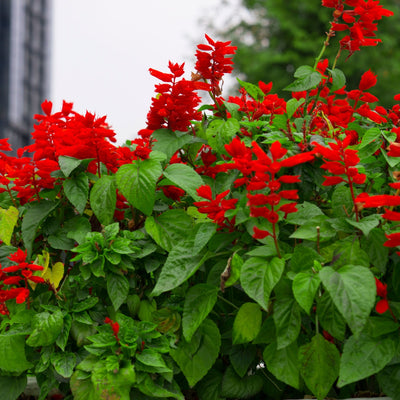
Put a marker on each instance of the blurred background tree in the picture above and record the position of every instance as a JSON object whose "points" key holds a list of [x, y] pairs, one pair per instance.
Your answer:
{"points": [[274, 37]]}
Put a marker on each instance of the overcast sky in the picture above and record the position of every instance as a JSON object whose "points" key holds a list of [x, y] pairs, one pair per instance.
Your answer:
{"points": [[102, 50]]}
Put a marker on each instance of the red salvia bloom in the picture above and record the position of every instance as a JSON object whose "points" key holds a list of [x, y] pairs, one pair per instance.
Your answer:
{"points": [[114, 327], [381, 290], [213, 62], [216, 208], [341, 162], [176, 103]]}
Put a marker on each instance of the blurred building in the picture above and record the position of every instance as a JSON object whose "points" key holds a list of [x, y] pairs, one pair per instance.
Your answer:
{"points": [[24, 66]]}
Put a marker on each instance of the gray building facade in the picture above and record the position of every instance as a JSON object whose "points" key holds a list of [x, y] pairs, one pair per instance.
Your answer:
{"points": [[24, 66]]}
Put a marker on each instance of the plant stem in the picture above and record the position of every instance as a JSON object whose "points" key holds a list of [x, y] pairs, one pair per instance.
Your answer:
{"points": [[228, 302]]}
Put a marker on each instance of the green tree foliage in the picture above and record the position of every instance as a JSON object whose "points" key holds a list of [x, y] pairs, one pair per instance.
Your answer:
{"points": [[275, 37]]}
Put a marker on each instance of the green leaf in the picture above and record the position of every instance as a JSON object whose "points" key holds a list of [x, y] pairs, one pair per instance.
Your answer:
{"points": [[365, 224], [305, 286], [234, 387], [259, 276], [389, 381], [137, 182], [64, 363], [306, 211], [168, 142], [342, 202], [152, 358], [85, 304], [252, 90], [199, 301], [283, 363], [77, 190], [292, 105], [349, 252], [31, 221], [46, 328], [12, 353], [169, 228], [195, 361], [11, 387], [184, 177], [185, 259], [330, 318], [62, 338], [69, 164], [221, 132], [8, 220], [117, 289], [318, 228], [154, 390], [353, 291], [319, 368], [377, 253], [308, 78], [103, 198], [242, 357], [209, 388], [379, 326], [82, 389], [363, 357], [287, 318], [369, 136], [303, 259], [338, 79], [77, 228], [247, 323]]}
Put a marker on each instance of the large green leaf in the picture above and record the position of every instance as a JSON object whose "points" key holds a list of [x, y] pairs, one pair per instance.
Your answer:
{"points": [[353, 291], [64, 363], [185, 177], [46, 328], [259, 276], [185, 259], [8, 220], [168, 142], [169, 228], [117, 289], [195, 358], [242, 357], [330, 318], [365, 224], [319, 368], [69, 164], [247, 323], [103, 198], [287, 318], [12, 353], [209, 388], [12, 386], [389, 380], [283, 363], [377, 253], [76, 189], [199, 301], [364, 356], [154, 389], [137, 182], [305, 286], [235, 387], [32, 219]]}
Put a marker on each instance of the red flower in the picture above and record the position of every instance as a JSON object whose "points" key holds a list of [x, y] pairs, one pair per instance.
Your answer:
{"points": [[381, 290], [216, 208], [212, 62], [114, 327], [176, 103]]}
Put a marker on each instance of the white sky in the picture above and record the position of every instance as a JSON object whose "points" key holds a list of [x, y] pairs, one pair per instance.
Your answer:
{"points": [[102, 50]]}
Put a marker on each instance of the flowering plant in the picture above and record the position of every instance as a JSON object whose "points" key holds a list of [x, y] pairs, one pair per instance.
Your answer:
{"points": [[246, 248]]}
